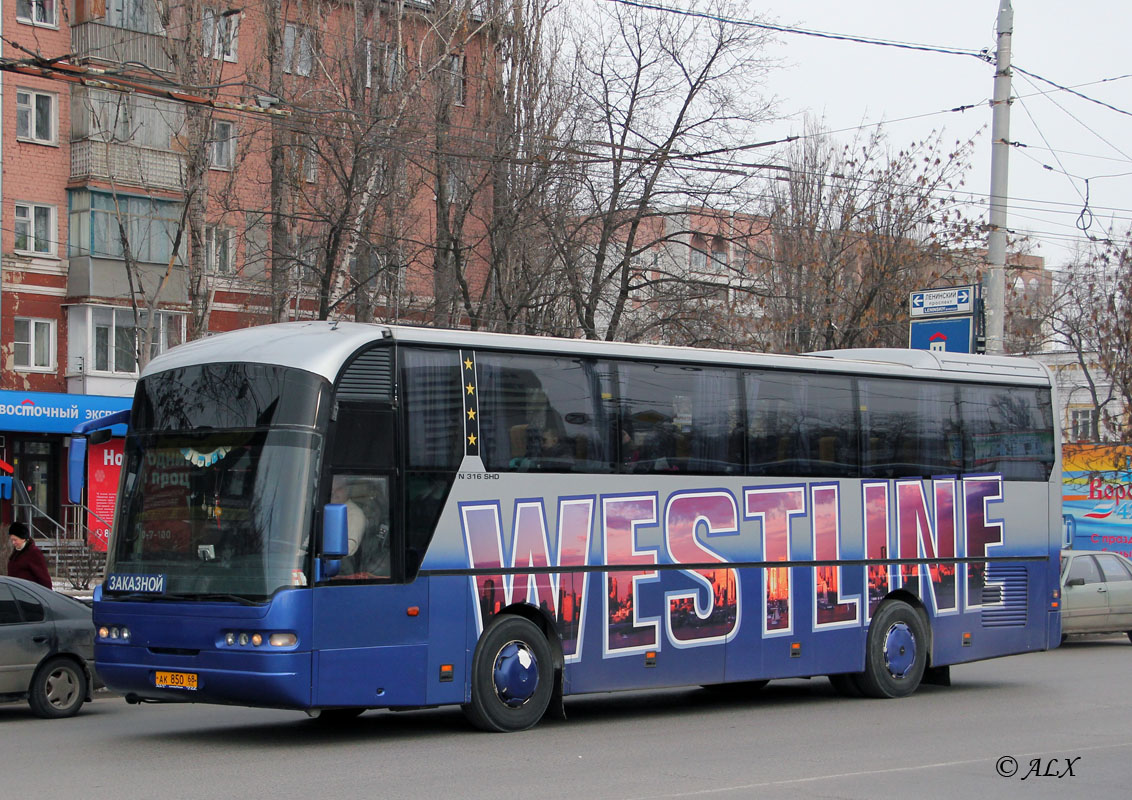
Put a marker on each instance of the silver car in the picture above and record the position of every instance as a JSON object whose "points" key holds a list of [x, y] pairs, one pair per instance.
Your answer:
{"points": [[1096, 592], [46, 649]]}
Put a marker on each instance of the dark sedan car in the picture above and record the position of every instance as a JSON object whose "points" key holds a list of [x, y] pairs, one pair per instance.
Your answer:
{"points": [[46, 649], [1096, 592]]}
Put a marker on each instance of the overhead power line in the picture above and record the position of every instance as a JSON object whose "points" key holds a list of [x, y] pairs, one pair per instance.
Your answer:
{"points": [[983, 55]]}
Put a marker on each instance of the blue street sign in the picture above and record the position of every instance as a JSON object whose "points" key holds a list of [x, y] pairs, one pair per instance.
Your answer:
{"points": [[948, 335], [952, 301]]}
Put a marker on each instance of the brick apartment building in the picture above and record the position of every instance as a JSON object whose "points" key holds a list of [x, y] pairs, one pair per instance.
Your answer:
{"points": [[175, 170]]}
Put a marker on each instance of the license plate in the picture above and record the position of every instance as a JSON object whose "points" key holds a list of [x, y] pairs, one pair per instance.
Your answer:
{"points": [[176, 680]]}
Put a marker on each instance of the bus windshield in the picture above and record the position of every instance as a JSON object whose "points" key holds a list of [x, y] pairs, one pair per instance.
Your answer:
{"points": [[217, 514]]}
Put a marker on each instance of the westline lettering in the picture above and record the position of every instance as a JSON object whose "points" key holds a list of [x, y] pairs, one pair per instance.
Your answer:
{"points": [[932, 539]]}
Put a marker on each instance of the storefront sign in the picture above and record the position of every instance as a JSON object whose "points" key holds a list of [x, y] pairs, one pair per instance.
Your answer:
{"points": [[104, 466], [48, 412]]}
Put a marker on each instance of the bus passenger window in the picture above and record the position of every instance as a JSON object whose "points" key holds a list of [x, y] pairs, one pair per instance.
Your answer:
{"points": [[366, 498], [538, 414]]}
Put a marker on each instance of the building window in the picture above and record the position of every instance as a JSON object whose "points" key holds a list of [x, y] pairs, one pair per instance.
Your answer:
{"points": [[310, 161], [37, 12], [456, 78], [34, 226], [134, 15], [117, 339], [34, 344], [309, 254], [298, 49], [151, 226], [220, 33], [385, 64], [35, 116], [698, 258], [109, 115], [223, 144], [1083, 424], [220, 250]]}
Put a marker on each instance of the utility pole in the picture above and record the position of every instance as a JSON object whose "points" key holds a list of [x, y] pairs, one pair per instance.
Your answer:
{"points": [[994, 282]]}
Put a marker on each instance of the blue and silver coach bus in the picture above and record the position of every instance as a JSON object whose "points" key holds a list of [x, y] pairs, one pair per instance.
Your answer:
{"points": [[333, 517]]}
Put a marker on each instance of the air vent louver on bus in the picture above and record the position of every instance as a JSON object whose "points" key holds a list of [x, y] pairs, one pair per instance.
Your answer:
{"points": [[369, 377], [1004, 596]]}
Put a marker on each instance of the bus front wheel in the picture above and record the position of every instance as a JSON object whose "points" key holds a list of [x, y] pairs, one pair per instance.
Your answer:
{"points": [[896, 652], [512, 676]]}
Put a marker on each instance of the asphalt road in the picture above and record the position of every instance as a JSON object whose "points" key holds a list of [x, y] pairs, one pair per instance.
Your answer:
{"points": [[1065, 713]]}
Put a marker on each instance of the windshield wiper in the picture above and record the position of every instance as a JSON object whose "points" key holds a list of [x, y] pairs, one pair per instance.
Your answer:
{"points": [[193, 597], [221, 596], [148, 597]]}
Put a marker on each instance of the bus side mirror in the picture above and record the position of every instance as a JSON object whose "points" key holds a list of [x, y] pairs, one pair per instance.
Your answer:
{"points": [[76, 469], [334, 531]]}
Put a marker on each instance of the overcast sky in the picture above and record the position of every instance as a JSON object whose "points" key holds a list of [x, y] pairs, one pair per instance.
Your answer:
{"points": [[1073, 44]]}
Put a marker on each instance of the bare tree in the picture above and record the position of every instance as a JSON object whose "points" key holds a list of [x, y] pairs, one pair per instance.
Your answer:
{"points": [[660, 98], [853, 230]]}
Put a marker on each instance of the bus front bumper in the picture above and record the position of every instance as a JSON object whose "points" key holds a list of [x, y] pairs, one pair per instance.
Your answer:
{"points": [[268, 680]]}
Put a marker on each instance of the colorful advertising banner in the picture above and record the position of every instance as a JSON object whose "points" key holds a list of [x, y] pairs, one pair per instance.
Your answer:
{"points": [[104, 465], [1097, 496]]}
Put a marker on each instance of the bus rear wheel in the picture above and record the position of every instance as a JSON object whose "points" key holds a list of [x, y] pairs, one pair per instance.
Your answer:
{"points": [[512, 676], [896, 652]]}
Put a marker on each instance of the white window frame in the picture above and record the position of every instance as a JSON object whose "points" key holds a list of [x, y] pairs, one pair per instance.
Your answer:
{"points": [[697, 258], [27, 223], [1081, 421], [115, 318], [38, 8], [220, 250], [298, 50], [457, 79], [28, 108], [33, 355], [392, 58], [310, 162], [220, 34], [223, 154]]}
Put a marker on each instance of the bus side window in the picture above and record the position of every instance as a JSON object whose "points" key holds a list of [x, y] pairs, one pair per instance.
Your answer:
{"points": [[538, 414], [366, 498]]}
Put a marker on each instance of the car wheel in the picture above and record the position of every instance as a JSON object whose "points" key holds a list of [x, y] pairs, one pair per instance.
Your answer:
{"points": [[58, 689], [512, 676], [896, 652]]}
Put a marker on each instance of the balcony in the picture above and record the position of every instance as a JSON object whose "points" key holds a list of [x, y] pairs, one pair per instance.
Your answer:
{"points": [[94, 41], [127, 164]]}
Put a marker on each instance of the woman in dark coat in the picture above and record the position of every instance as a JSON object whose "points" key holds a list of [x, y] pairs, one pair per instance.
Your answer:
{"points": [[27, 560]]}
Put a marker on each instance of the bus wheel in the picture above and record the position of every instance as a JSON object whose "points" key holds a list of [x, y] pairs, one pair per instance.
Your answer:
{"points": [[896, 652], [512, 676]]}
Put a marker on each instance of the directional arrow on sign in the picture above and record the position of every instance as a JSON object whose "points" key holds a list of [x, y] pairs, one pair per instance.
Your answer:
{"points": [[964, 295], [918, 300]]}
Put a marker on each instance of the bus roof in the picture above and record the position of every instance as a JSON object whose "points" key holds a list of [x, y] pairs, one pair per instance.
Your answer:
{"points": [[322, 347]]}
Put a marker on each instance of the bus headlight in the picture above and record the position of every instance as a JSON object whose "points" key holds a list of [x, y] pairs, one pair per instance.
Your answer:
{"points": [[283, 640]]}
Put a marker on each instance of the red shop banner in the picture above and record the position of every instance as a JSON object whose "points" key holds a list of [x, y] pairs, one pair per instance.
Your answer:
{"points": [[104, 466]]}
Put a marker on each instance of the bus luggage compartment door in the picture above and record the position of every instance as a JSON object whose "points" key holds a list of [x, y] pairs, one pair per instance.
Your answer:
{"points": [[370, 644]]}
